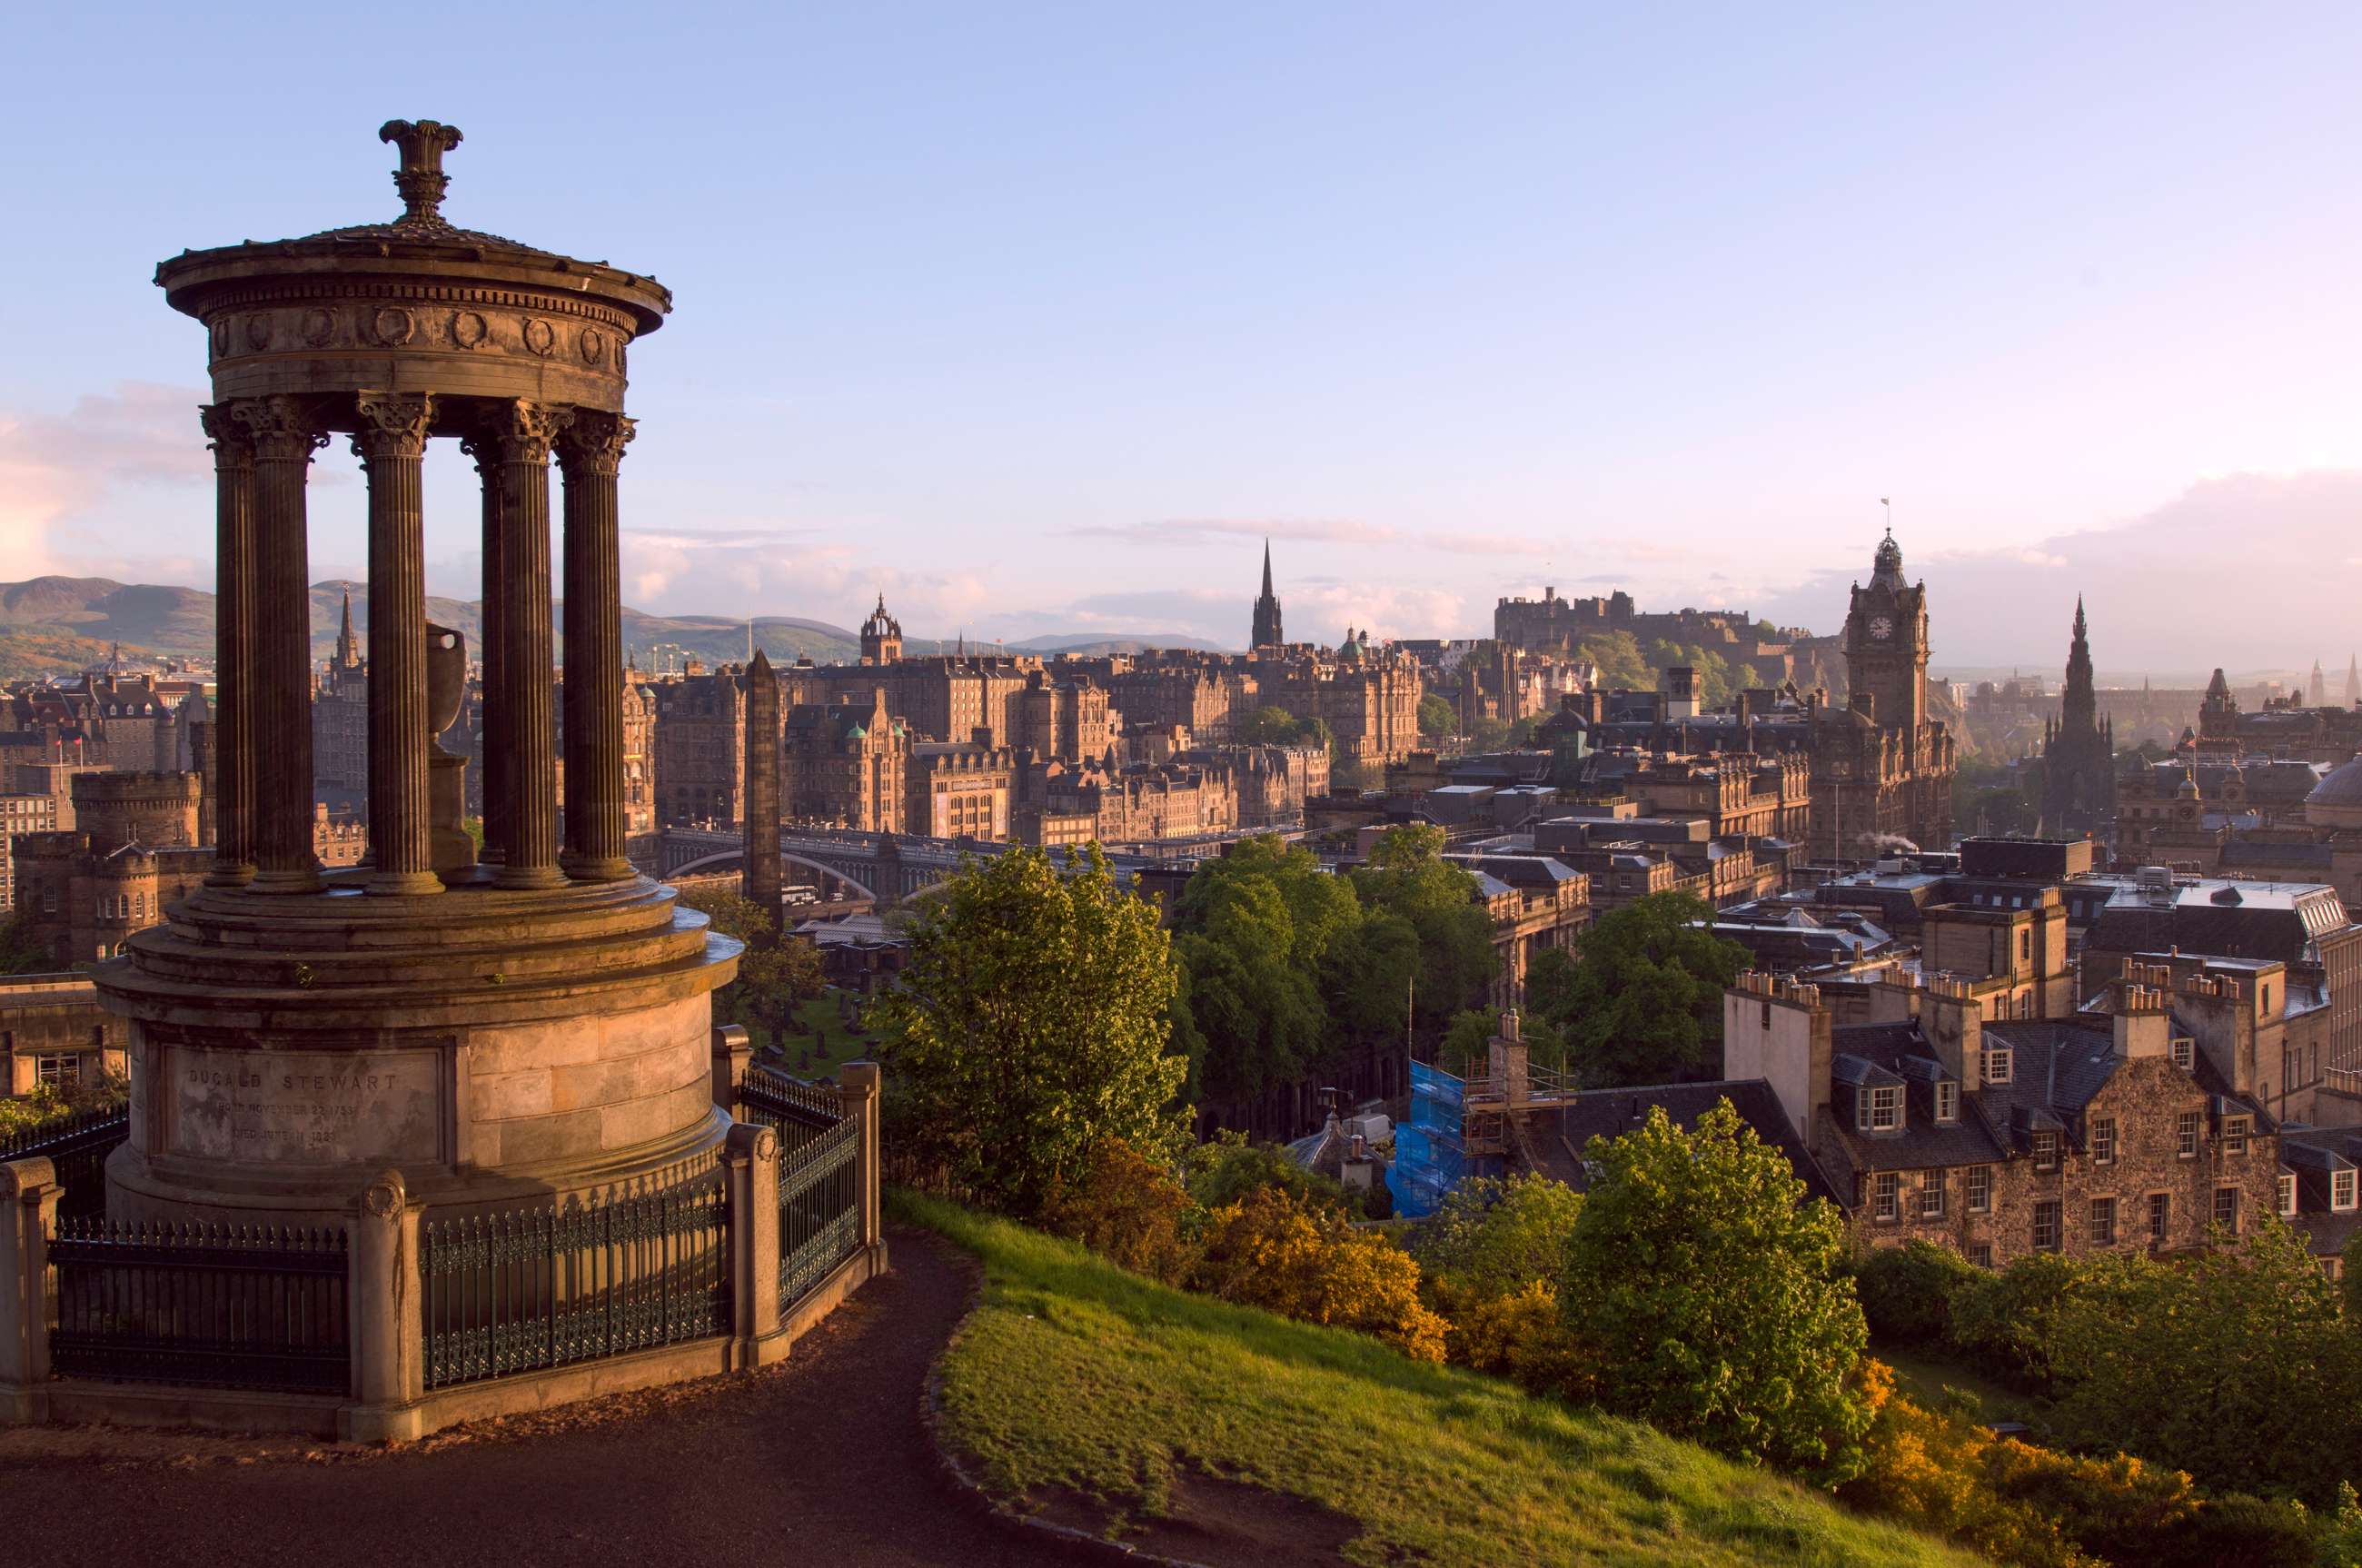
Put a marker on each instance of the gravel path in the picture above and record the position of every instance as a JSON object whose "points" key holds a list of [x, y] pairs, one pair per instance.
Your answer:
{"points": [[819, 1460]]}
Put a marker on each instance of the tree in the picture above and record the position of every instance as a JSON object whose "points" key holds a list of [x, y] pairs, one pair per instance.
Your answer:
{"points": [[1712, 1296], [1031, 1024], [1266, 727], [1487, 734], [1408, 877], [1437, 720], [2174, 1362], [1467, 1042], [20, 953], [774, 975], [1255, 927], [1644, 1002], [1494, 1235], [1617, 654], [1270, 1252]]}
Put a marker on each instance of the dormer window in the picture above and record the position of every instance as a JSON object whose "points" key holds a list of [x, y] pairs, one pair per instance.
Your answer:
{"points": [[1997, 1064], [1947, 1101], [2342, 1192], [2046, 1150], [1882, 1109]]}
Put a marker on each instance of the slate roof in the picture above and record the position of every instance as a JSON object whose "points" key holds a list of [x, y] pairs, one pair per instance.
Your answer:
{"points": [[1557, 1133]]}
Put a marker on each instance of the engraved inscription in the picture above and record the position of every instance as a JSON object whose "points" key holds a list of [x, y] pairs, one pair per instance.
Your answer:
{"points": [[305, 1107]]}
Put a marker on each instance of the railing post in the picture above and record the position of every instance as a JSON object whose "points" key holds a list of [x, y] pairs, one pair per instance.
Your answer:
{"points": [[857, 1091], [732, 1051], [750, 1162], [28, 1207], [388, 1325]]}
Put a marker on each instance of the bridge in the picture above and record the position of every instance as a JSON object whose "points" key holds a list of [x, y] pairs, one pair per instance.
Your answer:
{"points": [[888, 867]]}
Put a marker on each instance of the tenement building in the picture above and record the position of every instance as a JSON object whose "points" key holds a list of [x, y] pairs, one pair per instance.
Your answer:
{"points": [[699, 744]]}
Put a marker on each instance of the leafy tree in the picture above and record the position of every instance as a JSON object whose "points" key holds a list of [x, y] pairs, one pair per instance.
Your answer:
{"points": [[1495, 1236], [774, 975], [1436, 720], [1223, 1172], [2009, 1322], [1487, 734], [1617, 654], [1406, 877], [2165, 1360], [1267, 725], [1467, 1042], [1907, 1291], [1367, 973], [1713, 1298], [1031, 1025], [1127, 1208], [1644, 1002]]}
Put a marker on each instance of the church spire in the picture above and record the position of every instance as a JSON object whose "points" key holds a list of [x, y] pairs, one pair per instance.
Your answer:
{"points": [[1266, 569], [1266, 631], [348, 648]]}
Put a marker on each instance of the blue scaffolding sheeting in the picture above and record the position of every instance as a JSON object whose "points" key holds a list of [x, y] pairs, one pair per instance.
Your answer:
{"points": [[1430, 1158]]}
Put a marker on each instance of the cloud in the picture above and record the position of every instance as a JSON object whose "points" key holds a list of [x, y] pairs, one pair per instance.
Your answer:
{"points": [[60, 473], [1196, 530], [2250, 572]]}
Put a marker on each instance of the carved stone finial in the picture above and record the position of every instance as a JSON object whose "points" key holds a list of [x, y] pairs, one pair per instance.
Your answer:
{"points": [[421, 178]]}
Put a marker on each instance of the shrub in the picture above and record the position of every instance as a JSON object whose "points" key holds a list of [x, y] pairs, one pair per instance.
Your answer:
{"points": [[1491, 1236], [1928, 1472], [1225, 1171], [1907, 1291], [1517, 1334], [1306, 1262], [1127, 1208], [2008, 1322]]}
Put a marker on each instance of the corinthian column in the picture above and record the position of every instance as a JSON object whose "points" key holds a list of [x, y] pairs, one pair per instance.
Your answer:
{"points": [[285, 431], [492, 643], [391, 443], [591, 450], [527, 738], [233, 736]]}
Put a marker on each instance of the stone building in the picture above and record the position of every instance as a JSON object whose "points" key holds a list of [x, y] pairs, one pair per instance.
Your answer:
{"points": [[1881, 767], [2283, 727], [53, 1034], [881, 637], [1066, 720], [1367, 696], [701, 739], [2079, 751], [340, 724], [957, 791], [1537, 905], [846, 765], [134, 848], [640, 793], [2124, 1128]]}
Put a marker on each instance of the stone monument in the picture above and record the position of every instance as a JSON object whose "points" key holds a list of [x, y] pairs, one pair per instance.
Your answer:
{"points": [[497, 1028]]}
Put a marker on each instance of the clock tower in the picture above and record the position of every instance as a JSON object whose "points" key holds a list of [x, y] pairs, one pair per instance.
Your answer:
{"points": [[1886, 641]]}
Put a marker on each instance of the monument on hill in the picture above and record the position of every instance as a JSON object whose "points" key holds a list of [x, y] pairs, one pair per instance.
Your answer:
{"points": [[530, 1021]]}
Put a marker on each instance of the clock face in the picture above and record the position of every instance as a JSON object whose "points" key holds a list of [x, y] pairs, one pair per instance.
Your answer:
{"points": [[1881, 626]]}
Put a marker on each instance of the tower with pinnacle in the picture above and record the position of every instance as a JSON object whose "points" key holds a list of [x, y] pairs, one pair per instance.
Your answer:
{"points": [[2078, 774], [1268, 630]]}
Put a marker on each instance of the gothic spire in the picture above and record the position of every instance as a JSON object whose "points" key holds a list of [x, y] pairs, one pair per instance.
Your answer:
{"points": [[1266, 569]]}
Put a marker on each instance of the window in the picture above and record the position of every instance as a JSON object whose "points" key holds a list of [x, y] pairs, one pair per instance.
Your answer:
{"points": [[2025, 947], [2342, 1191], [2288, 1193], [1882, 1109], [1885, 1189], [2045, 1225], [2104, 1221], [2332, 1268], [2046, 1150], [49, 898], [1982, 1254], [2234, 1134], [58, 1068], [2185, 1052], [2104, 1140], [2226, 1208], [1980, 1186], [1997, 1064], [1948, 1101], [2161, 1217], [2186, 1128], [2026, 1004], [1932, 1194]]}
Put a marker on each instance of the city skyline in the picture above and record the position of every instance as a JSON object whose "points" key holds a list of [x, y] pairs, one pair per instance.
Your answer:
{"points": [[991, 319]]}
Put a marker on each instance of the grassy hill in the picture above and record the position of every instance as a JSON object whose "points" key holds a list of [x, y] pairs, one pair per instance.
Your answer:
{"points": [[25, 655], [181, 621], [1114, 1403]]}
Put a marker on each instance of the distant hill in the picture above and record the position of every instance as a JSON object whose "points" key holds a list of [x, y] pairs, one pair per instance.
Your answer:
{"points": [[26, 656], [181, 621]]}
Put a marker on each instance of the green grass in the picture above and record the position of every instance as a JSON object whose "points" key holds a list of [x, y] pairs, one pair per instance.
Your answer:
{"points": [[1923, 1378], [1076, 1374], [844, 1045]]}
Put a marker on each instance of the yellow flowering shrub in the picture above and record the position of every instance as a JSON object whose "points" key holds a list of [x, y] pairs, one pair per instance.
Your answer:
{"points": [[1269, 1250]]}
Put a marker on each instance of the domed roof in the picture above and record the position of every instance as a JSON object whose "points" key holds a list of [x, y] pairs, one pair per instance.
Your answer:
{"points": [[2343, 787]]}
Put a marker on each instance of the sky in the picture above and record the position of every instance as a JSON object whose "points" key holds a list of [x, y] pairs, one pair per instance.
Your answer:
{"points": [[1041, 319]]}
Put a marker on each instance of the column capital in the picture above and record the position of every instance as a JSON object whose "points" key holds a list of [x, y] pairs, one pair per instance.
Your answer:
{"points": [[282, 428], [392, 424], [593, 441], [519, 431], [226, 436]]}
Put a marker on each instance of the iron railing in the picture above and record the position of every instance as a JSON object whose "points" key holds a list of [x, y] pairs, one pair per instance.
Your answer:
{"points": [[643, 1265], [77, 1146], [204, 1306], [820, 1165]]}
